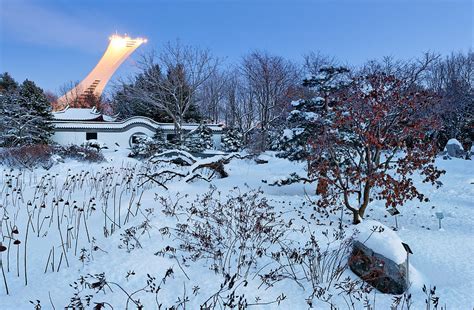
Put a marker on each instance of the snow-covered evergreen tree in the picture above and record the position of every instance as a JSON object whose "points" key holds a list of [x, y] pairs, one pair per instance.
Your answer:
{"points": [[19, 122], [306, 114], [159, 139], [143, 147], [34, 99], [232, 140], [148, 146], [7, 83], [200, 139], [26, 114]]}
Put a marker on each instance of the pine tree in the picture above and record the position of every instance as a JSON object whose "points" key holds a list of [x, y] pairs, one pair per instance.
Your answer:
{"points": [[16, 122], [307, 115], [193, 115], [326, 84], [26, 114], [7, 83], [200, 139], [39, 111], [159, 139], [232, 140]]}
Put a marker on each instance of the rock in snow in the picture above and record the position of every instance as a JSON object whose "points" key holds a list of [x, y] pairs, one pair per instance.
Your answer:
{"points": [[377, 270], [378, 257], [454, 148]]}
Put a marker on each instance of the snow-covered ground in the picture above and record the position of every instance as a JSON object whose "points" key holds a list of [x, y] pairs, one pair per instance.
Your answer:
{"points": [[81, 197]]}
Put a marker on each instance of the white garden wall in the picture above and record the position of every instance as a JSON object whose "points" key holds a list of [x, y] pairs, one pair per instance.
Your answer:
{"points": [[119, 134]]}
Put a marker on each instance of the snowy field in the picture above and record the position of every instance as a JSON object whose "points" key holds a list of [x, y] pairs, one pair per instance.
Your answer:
{"points": [[87, 219]]}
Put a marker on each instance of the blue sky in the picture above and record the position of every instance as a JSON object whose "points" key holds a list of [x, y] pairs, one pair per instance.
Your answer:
{"points": [[56, 41]]}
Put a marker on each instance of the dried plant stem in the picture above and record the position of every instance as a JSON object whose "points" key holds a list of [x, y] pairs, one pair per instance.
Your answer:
{"points": [[62, 243], [47, 262], [4, 276], [60, 261], [87, 230], [77, 233], [26, 254], [8, 254], [18, 261], [52, 263]]}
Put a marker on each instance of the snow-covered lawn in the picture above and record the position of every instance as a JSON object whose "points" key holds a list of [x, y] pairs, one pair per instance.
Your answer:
{"points": [[88, 195]]}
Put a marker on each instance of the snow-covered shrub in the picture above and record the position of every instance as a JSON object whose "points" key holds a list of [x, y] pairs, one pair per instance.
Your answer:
{"points": [[90, 289], [274, 143], [228, 296], [29, 156], [321, 261], [232, 140], [145, 147], [80, 153], [46, 156], [130, 237], [287, 180], [232, 232], [94, 144], [199, 139]]}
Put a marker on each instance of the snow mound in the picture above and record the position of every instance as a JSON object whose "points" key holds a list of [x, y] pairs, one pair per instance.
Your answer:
{"points": [[268, 156], [174, 152], [386, 242], [455, 142], [296, 103]]}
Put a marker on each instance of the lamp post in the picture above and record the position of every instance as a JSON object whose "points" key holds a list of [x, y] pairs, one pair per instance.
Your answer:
{"points": [[409, 251], [439, 216], [394, 212]]}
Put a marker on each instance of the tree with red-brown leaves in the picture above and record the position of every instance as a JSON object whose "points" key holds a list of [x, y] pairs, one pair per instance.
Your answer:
{"points": [[372, 143]]}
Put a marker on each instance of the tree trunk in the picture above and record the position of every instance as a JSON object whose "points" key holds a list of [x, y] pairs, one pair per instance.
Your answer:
{"points": [[366, 198], [355, 217], [361, 211]]}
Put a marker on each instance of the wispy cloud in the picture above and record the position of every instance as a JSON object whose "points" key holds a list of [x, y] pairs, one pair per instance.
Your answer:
{"points": [[32, 23]]}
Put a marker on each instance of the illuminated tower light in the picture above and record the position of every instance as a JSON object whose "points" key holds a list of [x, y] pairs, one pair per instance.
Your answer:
{"points": [[120, 47]]}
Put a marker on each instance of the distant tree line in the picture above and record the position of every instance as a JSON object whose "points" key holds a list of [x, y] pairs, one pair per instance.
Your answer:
{"points": [[186, 84], [255, 99]]}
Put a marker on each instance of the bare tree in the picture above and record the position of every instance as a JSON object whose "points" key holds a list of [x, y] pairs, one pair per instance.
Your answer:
{"points": [[315, 61], [52, 97], [453, 79], [412, 71], [232, 107], [69, 94], [171, 80], [212, 96], [240, 110], [268, 79]]}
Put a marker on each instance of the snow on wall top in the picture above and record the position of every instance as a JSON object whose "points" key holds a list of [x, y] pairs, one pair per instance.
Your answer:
{"points": [[77, 114], [118, 125]]}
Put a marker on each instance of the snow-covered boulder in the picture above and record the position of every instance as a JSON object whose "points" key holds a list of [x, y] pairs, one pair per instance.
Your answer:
{"points": [[454, 149], [378, 258]]}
